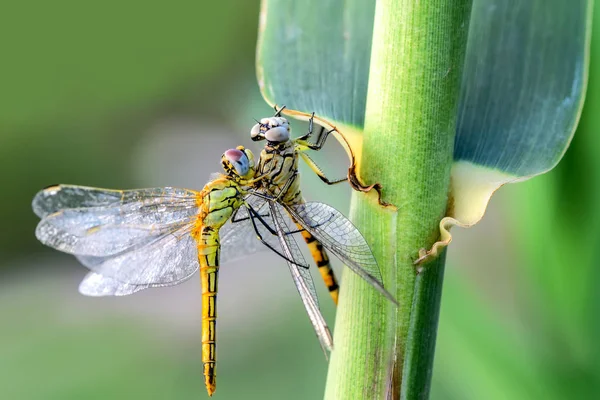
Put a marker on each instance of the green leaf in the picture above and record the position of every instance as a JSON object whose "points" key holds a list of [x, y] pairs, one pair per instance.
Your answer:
{"points": [[314, 56], [523, 84]]}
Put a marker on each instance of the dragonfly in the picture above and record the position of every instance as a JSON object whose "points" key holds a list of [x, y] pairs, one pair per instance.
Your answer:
{"points": [[137, 239], [278, 166]]}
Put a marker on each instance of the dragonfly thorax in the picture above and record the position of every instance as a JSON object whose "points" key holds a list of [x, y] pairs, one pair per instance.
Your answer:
{"points": [[220, 198], [279, 167]]}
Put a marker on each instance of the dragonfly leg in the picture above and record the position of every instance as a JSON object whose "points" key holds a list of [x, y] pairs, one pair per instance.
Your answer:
{"points": [[283, 190], [259, 236], [303, 141], [252, 212], [286, 186], [235, 220], [278, 112], [317, 170], [321, 137], [308, 134]]}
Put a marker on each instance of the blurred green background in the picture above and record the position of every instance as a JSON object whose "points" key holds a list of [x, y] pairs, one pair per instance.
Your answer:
{"points": [[135, 94]]}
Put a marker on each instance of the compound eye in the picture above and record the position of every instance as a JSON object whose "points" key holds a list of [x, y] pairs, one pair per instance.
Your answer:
{"points": [[250, 157], [278, 134], [258, 132], [255, 132], [238, 160]]}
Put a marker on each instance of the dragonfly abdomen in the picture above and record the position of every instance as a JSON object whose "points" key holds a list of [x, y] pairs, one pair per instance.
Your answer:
{"points": [[318, 253], [321, 258], [208, 258]]}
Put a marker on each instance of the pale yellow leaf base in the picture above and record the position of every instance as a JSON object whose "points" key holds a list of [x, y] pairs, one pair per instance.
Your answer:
{"points": [[471, 187]]}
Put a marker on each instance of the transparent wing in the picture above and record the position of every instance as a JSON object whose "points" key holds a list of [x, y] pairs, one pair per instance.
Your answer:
{"points": [[302, 279], [168, 260], [214, 176], [97, 285], [289, 245], [238, 239], [60, 197], [338, 235], [101, 233], [137, 219]]}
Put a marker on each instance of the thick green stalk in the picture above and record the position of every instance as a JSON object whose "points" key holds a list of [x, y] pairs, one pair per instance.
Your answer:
{"points": [[416, 63]]}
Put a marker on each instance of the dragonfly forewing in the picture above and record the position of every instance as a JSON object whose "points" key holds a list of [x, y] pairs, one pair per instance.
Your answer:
{"points": [[98, 224], [61, 197]]}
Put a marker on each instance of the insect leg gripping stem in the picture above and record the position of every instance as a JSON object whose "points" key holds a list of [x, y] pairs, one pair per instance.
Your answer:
{"points": [[317, 170]]}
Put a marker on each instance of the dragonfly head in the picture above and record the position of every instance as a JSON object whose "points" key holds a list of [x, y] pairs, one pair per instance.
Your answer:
{"points": [[275, 130], [239, 162]]}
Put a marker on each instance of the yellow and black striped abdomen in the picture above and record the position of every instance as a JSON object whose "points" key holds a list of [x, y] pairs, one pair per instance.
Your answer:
{"points": [[321, 258]]}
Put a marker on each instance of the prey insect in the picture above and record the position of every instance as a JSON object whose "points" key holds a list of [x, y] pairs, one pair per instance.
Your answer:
{"points": [[278, 166]]}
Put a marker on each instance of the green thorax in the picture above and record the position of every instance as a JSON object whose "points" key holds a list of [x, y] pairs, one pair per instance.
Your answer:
{"points": [[220, 198]]}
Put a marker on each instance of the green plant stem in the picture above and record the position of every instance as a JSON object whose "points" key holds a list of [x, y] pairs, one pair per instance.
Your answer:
{"points": [[416, 63]]}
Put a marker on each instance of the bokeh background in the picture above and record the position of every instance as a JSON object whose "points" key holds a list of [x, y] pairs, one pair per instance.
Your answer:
{"points": [[135, 94]]}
